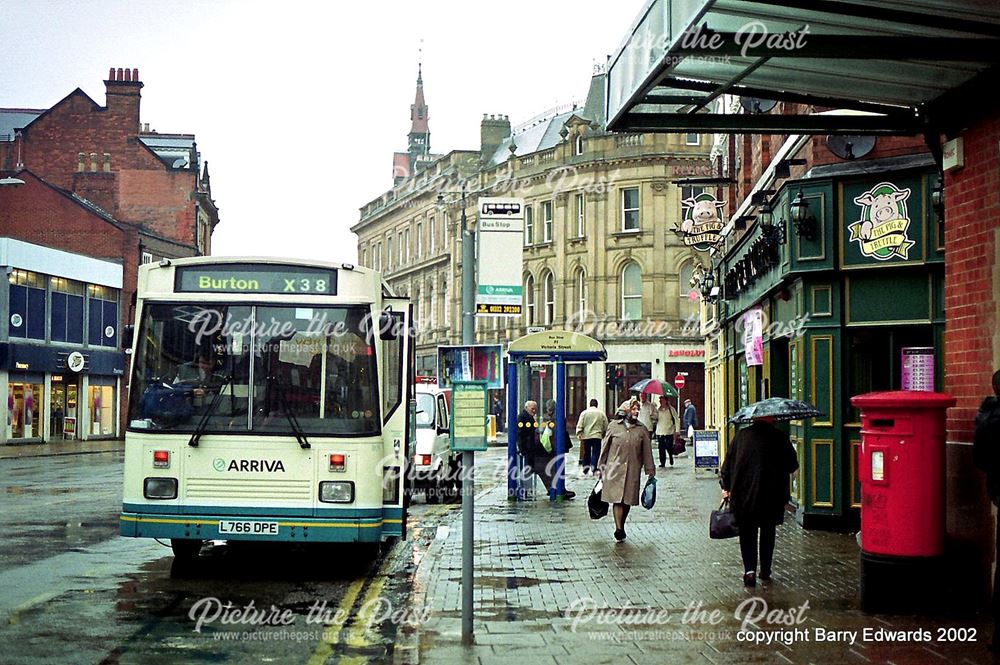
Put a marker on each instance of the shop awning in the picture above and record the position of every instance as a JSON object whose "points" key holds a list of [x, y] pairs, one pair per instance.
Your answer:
{"points": [[901, 66]]}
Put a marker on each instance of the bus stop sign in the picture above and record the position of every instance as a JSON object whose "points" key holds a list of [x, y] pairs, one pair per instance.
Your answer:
{"points": [[468, 416]]}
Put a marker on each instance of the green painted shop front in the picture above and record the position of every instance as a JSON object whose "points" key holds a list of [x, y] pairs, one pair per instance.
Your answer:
{"points": [[838, 308]]}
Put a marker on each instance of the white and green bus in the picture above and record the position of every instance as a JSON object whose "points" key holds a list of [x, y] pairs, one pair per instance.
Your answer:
{"points": [[269, 400]]}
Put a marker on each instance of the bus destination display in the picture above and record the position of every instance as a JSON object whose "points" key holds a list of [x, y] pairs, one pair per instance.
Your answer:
{"points": [[238, 278]]}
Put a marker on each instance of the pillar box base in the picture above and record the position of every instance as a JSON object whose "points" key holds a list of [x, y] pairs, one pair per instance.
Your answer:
{"points": [[901, 585]]}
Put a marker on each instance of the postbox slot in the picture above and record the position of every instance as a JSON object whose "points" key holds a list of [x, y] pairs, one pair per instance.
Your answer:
{"points": [[882, 422]]}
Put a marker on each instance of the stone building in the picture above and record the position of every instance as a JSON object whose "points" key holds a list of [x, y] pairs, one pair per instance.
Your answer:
{"points": [[600, 252]]}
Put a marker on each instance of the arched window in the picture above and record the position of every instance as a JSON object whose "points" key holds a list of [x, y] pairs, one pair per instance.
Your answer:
{"points": [[549, 291], [529, 301], [578, 145], [631, 288]]}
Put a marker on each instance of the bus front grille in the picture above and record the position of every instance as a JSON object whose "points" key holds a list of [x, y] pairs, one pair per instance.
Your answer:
{"points": [[248, 488]]}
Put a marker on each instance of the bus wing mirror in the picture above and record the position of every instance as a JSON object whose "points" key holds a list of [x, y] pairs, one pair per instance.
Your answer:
{"points": [[128, 336], [386, 326]]}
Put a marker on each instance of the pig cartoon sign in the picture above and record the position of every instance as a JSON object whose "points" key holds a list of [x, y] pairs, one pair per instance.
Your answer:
{"points": [[881, 232], [702, 221]]}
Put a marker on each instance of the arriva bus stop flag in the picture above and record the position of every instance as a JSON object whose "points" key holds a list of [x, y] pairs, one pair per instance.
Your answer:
{"points": [[501, 245]]}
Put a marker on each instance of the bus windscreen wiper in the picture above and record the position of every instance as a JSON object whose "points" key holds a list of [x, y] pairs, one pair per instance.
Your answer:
{"points": [[292, 420], [203, 423]]}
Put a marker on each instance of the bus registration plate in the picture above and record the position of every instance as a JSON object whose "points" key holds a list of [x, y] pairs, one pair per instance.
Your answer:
{"points": [[247, 527]]}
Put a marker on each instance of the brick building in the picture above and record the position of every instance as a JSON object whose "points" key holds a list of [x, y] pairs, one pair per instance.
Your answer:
{"points": [[96, 183]]}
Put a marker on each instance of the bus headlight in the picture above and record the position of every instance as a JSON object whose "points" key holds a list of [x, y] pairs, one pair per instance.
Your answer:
{"points": [[159, 488], [336, 491]]}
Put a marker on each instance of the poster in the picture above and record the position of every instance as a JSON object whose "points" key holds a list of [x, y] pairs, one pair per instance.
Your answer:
{"points": [[753, 336], [482, 362], [706, 449], [917, 367]]}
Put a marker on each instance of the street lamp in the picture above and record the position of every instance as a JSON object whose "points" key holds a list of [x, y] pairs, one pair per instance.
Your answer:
{"points": [[805, 224], [468, 325], [11, 181], [937, 198]]}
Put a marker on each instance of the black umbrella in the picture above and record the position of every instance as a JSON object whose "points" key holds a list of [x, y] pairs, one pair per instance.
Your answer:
{"points": [[779, 408]]}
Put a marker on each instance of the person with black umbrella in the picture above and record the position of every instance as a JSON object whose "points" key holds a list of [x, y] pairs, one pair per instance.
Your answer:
{"points": [[759, 462]]}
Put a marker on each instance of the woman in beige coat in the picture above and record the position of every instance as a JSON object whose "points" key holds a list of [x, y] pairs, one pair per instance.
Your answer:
{"points": [[626, 448]]}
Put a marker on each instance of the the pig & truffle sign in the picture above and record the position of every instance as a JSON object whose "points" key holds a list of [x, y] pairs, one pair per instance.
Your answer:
{"points": [[702, 221], [881, 230]]}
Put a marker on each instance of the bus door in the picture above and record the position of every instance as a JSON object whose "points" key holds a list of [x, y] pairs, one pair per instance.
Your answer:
{"points": [[398, 377]]}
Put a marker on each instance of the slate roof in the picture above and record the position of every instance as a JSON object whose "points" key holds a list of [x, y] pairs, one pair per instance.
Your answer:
{"points": [[11, 119]]}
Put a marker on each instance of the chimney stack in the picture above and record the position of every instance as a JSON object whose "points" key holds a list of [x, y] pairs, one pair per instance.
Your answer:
{"points": [[122, 90], [493, 130]]}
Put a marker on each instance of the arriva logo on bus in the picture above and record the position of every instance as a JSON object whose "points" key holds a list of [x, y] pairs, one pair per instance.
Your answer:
{"points": [[220, 464]]}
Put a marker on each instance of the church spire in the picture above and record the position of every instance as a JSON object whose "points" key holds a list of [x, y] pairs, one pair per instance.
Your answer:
{"points": [[420, 133]]}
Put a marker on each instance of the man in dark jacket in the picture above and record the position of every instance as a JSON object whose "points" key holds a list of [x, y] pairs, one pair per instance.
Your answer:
{"points": [[755, 478], [986, 455], [536, 457]]}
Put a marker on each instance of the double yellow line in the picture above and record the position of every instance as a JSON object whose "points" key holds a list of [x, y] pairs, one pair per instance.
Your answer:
{"points": [[357, 634]]}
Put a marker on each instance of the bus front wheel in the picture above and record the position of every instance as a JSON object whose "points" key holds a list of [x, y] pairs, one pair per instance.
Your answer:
{"points": [[185, 548]]}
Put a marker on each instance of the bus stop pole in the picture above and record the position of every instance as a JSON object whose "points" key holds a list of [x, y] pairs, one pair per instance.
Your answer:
{"points": [[468, 457]]}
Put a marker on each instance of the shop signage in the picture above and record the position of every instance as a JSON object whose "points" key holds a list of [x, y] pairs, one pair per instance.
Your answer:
{"points": [[69, 427], [75, 361], [18, 365], [953, 154], [686, 353], [753, 336], [882, 229], [702, 221], [500, 233]]}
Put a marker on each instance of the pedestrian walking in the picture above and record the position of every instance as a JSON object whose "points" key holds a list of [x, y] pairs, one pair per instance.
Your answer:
{"points": [[497, 411], [666, 427], [755, 476], [690, 417], [986, 455], [625, 451], [591, 427], [648, 412]]}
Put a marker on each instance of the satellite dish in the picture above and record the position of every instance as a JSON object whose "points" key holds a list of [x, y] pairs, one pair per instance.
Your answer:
{"points": [[850, 147], [756, 104]]}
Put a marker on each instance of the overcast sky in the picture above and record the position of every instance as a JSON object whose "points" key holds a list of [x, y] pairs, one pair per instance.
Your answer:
{"points": [[298, 106]]}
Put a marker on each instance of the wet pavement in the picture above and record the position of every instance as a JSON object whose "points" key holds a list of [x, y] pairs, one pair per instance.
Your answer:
{"points": [[553, 586], [73, 591]]}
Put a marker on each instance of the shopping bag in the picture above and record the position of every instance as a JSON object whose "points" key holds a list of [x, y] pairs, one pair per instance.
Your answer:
{"points": [[649, 493], [679, 446], [597, 507], [546, 439], [723, 523]]}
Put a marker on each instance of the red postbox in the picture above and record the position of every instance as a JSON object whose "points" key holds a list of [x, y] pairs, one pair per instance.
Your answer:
{"points": [[901, 466]]}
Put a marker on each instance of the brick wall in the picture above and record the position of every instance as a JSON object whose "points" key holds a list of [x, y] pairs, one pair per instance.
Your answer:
{"points": [[972, 226]]}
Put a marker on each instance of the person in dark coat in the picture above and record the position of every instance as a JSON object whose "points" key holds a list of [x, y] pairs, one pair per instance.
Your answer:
{"points": [[986, 456], [538, 459], [755, 476]]}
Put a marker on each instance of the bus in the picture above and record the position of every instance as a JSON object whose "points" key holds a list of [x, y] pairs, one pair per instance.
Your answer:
{"points": [[269, 400]]}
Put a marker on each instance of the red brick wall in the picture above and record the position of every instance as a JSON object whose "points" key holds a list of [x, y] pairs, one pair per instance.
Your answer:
{"points": [[972, 219]]}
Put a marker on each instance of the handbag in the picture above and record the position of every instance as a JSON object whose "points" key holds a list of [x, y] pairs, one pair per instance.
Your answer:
{"points": [[596, 506], [723, 523], [649, 493], [679, 446]]}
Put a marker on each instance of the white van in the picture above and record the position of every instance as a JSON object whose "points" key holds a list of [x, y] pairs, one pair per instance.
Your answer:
{"points": [[436, 470]]}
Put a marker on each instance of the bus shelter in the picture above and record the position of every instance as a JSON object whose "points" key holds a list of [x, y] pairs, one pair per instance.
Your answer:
{"points": [[552, 346]]}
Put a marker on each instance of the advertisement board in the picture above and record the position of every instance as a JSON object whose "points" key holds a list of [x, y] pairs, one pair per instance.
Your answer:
{"points": [[478, 362]]}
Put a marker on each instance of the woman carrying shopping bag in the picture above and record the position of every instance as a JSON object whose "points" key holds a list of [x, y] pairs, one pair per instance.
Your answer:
{"points": [[625, 452]]}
